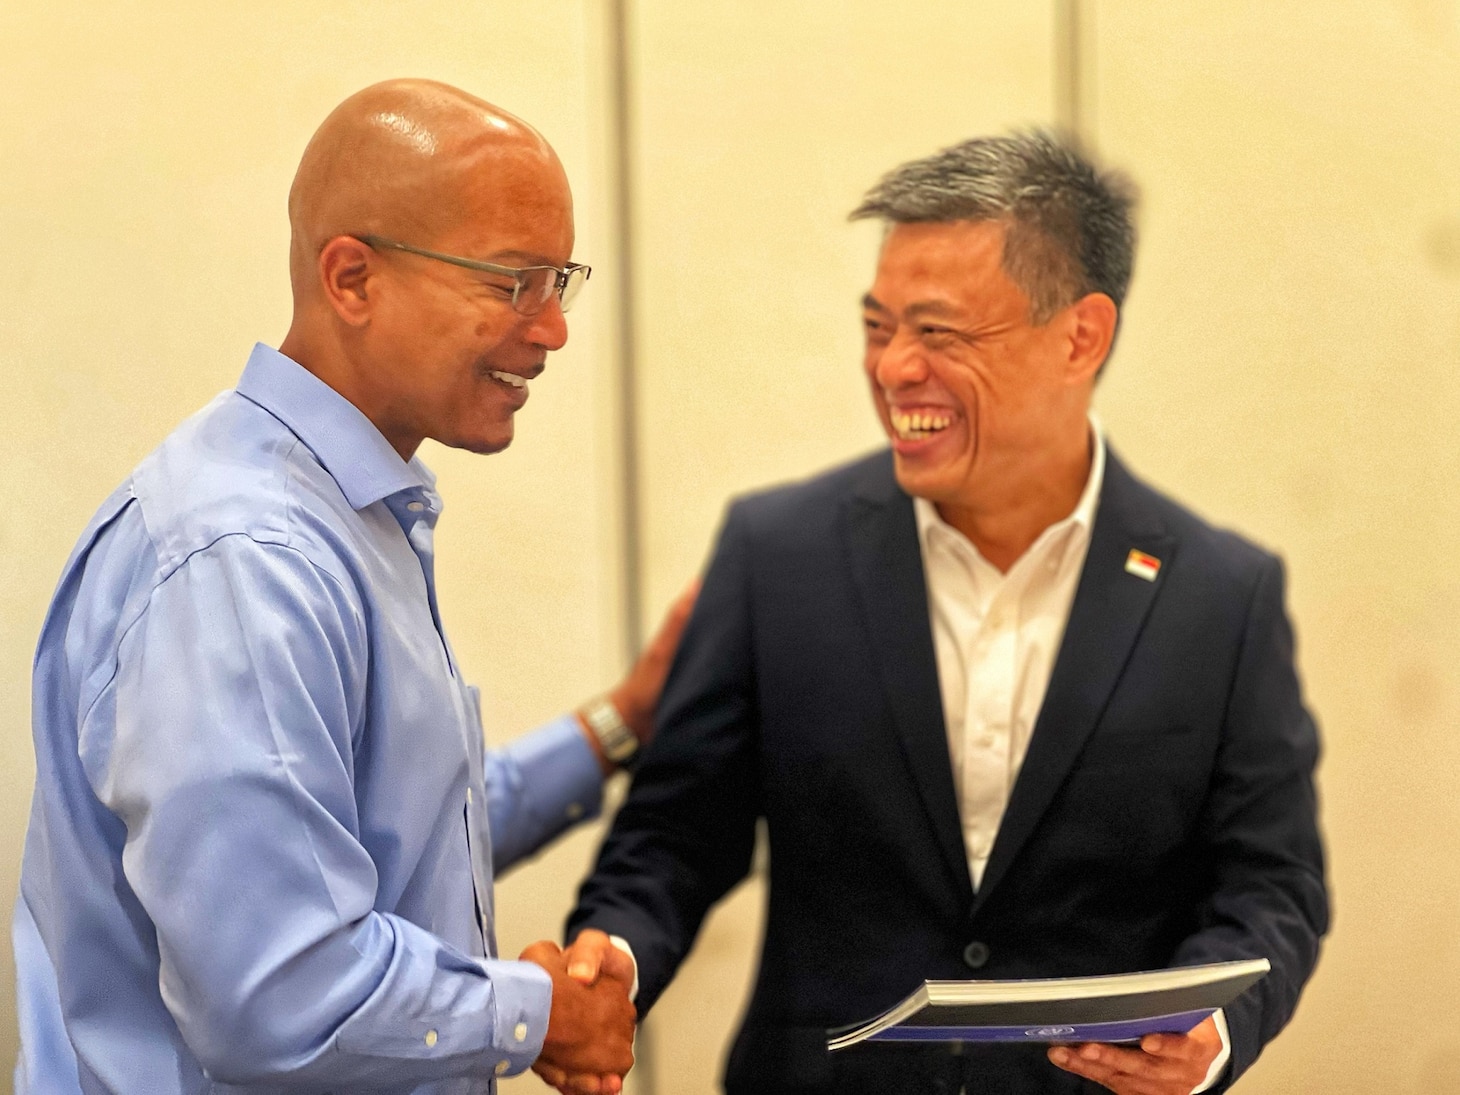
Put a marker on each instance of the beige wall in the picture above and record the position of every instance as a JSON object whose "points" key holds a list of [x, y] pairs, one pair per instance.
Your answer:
{"points": [[1288, 362], [145, 154], [1290, 365], [759, 127]]}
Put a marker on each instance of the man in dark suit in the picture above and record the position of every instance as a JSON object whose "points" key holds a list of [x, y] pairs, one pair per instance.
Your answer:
{"points": [[1006, 711]]}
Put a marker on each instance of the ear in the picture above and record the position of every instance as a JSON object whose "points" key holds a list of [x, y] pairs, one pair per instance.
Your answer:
{"points": [[1092, 321], [345, 268]]}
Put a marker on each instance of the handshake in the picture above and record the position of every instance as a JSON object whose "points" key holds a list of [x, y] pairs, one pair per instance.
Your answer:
{"points": [[590, 1036]]}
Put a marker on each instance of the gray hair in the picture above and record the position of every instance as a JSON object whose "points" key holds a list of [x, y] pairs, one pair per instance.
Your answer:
{"points": [[1068, 224]]}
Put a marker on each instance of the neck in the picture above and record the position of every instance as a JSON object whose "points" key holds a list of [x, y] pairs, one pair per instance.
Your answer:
{"points": [[1041, 489], [328, 361]]}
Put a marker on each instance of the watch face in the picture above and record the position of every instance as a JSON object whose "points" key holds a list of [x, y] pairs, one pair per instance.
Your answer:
{"points": [[620, 743], [617, 740]]}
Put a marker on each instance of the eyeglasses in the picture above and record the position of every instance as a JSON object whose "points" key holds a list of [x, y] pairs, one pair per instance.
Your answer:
{"points": [[531, 285]]}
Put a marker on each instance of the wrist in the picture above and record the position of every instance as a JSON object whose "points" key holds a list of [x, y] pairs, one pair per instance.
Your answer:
{"points": [[611, 733]]}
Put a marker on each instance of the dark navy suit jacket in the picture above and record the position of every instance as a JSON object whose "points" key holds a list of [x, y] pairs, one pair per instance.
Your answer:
{"points": [[1164, 814]]}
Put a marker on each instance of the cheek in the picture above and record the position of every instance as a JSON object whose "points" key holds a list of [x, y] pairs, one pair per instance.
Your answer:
{"points": [[870, 356], [489, 333], [965, 381]]}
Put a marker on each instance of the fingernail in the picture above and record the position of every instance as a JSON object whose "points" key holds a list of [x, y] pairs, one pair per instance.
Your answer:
{"points": [[580, 970], [1059, 1055]]}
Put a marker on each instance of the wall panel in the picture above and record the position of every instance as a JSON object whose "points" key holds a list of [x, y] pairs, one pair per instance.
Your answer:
{"points": [[1289, 365], [757, 128], [145, 154]]}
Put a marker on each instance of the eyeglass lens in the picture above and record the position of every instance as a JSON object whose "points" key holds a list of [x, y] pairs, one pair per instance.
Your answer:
{"points": [[536, 284]]}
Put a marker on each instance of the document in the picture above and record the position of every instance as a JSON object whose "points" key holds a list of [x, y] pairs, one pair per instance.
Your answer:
{"points": [[1117, 1008]]}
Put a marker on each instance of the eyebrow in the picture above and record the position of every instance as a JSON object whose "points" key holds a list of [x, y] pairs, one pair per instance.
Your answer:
{"points": [[936, 308]]}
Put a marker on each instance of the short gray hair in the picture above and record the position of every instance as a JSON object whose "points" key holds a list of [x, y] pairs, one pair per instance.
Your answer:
{"points": [[1068, 224]]}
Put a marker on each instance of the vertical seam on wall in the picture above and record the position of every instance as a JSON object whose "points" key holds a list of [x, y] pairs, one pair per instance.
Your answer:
{"points": [[631, 515], [1074, 110], [623, 184]]}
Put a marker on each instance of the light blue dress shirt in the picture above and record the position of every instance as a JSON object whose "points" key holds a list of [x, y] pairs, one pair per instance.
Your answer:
{"points": [[264, 829]]}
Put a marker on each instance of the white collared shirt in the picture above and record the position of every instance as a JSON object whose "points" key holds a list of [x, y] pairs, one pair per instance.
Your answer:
{"points": [[995, 638]]}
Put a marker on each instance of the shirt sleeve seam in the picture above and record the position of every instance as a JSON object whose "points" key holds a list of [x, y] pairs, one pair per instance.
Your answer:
{"points": [[146, 605]]}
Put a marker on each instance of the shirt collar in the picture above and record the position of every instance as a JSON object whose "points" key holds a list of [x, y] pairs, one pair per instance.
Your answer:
{"points": [[931, 525], [343, 440]]}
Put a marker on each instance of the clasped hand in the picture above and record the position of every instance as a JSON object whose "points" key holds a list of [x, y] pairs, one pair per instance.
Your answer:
{"points": [[589, 1045]]}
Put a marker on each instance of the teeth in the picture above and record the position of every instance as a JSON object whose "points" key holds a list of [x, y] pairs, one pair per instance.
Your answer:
{"points": [[911, 427], [508, 378]]}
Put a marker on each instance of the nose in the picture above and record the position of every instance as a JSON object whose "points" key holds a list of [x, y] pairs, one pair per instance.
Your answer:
{"points": [[901, 363], [549, 327]]}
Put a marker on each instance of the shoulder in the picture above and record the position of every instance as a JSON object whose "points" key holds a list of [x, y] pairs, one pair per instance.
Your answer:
{"points": [[234, 470], [1219, 553], [816, 503]]}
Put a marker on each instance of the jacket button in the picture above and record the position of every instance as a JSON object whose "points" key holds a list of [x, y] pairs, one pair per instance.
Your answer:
{"points": [[976, 955]]}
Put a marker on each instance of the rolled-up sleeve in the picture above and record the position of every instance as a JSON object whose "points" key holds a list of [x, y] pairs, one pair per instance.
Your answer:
{"points": [[228, 757]]}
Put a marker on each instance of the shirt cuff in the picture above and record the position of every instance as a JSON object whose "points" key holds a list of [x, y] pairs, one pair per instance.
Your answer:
{"points": [[523, 997], [1219, 1066], [623, 944]]}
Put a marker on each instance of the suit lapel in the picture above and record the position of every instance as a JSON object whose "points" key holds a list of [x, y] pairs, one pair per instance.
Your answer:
{"points": [[1110, 608], [887, 567]]}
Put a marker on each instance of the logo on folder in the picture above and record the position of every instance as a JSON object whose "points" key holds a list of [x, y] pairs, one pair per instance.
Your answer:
{"points": [[1142, 565]]}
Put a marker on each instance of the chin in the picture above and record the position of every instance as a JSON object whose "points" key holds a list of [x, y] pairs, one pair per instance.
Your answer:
{"points": [[482, 445], [934, 484]]}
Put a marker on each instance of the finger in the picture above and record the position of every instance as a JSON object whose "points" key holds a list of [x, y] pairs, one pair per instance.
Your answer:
{"points": [[543, 952], [1092, 1061], [661, 647], [550, 1074], [584, 1083], [1178, 1047], [586, 955], [1127, 1071]]}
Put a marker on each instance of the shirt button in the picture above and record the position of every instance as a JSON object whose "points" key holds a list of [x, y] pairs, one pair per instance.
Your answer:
{"points": [[415, 507], [575, 811], [519, 1032], [502, 1067], [430, 1038], [976, 955], [468, 796]]}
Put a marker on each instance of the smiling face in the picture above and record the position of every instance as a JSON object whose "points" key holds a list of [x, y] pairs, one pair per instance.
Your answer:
{"points": [[425, 348], [453, 353], [976, 400]]}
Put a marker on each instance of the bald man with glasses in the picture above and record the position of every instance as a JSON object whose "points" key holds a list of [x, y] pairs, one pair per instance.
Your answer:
{"points": [[265, 827]]}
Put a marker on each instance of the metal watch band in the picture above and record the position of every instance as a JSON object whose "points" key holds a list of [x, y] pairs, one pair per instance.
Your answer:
{"points": [[618, 741]]}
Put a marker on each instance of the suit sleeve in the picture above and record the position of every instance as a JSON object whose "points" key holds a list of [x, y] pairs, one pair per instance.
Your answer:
{"points": [[684, 835], [1260, 824]]}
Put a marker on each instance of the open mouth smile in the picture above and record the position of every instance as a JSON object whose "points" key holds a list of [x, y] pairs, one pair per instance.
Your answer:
{"points": [[917, 425], [511, 380]]}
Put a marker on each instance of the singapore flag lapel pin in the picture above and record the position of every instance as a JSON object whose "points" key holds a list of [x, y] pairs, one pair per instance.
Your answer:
{"points": [[1142, 565]]}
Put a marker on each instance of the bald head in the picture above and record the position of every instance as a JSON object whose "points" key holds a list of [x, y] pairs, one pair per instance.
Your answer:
{"points": [[425, 347], [411, 160]]}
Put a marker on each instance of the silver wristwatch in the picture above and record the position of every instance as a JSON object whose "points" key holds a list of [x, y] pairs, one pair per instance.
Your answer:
{"points": [[618, 741]]}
